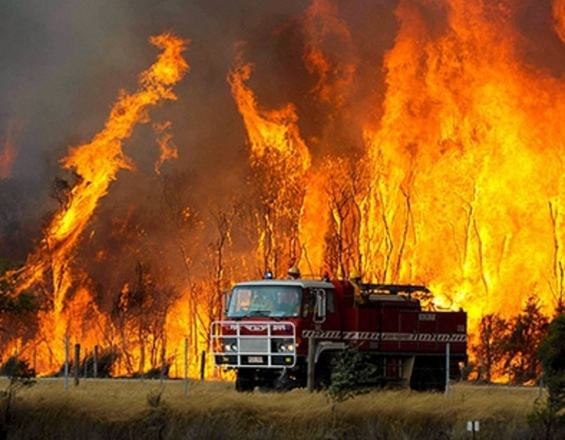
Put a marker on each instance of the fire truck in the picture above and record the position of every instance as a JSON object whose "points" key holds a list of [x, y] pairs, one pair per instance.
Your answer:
{"points": [[273, 329]]}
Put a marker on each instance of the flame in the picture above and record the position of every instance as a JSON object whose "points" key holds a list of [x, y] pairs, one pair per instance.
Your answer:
{"points": [[314, 220], [334, 76], [464, 168], [461, 183], [96, 164], [458, 181], [281, 160], [167, 148], [270, 132]]}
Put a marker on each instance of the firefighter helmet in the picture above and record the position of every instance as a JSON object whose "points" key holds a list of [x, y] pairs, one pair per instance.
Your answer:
{"points": [[293, 272], [354, 275]]}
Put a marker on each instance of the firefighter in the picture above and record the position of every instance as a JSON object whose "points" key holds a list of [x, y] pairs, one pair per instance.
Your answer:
{"points": [[355, 279], [293, 273]]}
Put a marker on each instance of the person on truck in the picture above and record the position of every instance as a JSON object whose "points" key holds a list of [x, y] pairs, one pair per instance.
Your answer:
{"points": [[293, 273], [289, 304], [355, 278]]}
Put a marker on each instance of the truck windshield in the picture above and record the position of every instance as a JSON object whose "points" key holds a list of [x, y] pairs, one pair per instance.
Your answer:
{"points": [[265, 301]]}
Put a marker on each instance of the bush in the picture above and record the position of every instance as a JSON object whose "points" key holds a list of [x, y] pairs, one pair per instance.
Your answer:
{"points": [[20, 375], [105, 364], [549, 414], [351, 371]]}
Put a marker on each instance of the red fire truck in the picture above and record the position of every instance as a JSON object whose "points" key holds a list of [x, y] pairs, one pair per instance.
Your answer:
{"points": [[269, 325]]}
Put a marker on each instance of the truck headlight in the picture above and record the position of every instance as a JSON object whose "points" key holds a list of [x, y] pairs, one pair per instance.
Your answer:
{"points": [[285, 346], [230, 345]]}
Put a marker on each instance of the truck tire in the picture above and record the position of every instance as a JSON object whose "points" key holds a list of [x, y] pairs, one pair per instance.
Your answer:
{"points": [[428, 374], [323, 371]]}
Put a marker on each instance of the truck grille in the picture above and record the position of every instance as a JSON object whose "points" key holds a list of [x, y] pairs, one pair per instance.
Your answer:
{"points": [[255, 345], [257, 342]]}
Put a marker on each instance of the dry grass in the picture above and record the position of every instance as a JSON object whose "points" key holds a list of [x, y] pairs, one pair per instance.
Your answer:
{"points": [[120, 409]]}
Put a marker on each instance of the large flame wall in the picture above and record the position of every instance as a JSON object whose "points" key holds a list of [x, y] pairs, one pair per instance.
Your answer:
{"points": [[459, 184], [428, 152]]}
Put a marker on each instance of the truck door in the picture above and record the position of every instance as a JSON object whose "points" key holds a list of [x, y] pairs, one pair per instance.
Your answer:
{"points": [[325, 316]]}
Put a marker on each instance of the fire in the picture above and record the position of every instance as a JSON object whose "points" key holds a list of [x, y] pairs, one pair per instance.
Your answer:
{"points": [[465, 169], [270, 132], [460, 186], [281, 160], [168, 150], [456, 181], [96, 164]]}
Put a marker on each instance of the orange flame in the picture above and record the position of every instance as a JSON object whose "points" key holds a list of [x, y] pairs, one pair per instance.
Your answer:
{"points": [[97, 164], [464, 187], [269, 132], [278, 151], [167, 148], [464, 172], [335, 76]]}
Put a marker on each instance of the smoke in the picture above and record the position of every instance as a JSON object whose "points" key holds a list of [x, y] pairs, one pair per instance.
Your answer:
{"points": [[65, 62]]}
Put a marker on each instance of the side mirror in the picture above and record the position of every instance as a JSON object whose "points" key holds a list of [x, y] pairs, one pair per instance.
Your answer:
{"points": [[226, 302], [320, 311]]}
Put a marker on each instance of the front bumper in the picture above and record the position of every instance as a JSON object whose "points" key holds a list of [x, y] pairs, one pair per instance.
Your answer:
{"points": [[253, 344]]}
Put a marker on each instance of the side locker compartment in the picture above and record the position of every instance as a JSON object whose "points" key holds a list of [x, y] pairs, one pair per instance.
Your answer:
{"points": [[429, 364], [407, 324]]}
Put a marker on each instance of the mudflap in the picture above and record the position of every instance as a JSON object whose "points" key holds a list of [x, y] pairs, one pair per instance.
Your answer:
{"points": [[283, 382]]}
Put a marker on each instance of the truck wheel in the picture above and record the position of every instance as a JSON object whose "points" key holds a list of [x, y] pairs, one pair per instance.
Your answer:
{"points": [[428, 374], [323, 374], [244, 383]]}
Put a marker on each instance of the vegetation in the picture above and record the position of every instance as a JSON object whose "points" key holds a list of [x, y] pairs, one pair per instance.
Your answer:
{"points": [[508, 348], [549, 414], [12, 304], [350, 374], [131, 409], [19, 376], [17, 312]]}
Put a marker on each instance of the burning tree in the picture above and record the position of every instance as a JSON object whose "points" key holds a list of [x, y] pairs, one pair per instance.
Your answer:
{"points": [[96, 165], [490, 349], [345, 189], [280, 160], [526, 333], [140, 316], [508, 347]]}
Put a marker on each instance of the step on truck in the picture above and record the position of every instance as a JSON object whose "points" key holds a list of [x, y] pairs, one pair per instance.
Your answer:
{"points": [[269, 324]]}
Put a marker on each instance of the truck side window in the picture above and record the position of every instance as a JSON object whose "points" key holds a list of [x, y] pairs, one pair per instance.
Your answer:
{"points": [[309, 304], [330, 301]]}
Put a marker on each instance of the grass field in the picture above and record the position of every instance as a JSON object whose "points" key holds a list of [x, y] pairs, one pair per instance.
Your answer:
{"points": [[113, 409]]}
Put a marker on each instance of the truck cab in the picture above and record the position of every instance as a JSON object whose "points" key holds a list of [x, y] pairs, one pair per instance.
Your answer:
{"points": [[261, 334]]}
